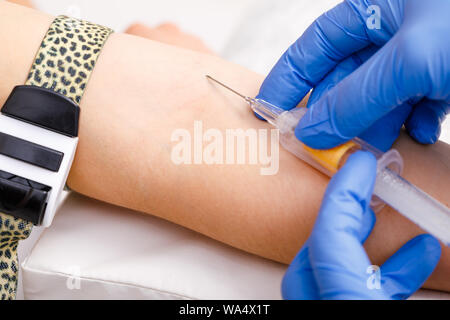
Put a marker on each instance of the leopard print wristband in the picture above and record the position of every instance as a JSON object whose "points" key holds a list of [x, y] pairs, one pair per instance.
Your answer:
{"points": [[63, 64], [11, 231], [67, 57]]}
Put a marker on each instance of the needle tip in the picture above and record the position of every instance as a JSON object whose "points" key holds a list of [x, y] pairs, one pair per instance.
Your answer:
{"points": [[227, 87]]}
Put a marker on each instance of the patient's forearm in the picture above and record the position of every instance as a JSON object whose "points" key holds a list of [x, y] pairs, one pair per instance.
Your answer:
{"points": [[141, 92]]}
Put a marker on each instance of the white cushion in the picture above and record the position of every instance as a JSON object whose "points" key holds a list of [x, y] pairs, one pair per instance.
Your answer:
{"points": [[115, 253]]}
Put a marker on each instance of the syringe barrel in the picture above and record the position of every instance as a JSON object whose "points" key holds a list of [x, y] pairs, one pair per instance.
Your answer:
{"points": [[330, 161], [414, 204]]}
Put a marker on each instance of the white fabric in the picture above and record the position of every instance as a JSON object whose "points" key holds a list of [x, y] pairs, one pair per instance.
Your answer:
{"points": [[116, 253]]}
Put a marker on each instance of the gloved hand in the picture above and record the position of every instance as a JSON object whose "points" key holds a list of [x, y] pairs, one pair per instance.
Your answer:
{"points": [[368, 82], [333, 263]]}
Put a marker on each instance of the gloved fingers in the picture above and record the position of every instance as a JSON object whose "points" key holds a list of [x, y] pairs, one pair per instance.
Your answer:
{"points": [[424, 123], [383, 133], [331, 38], [390, 125], [341, 71], [298, 282], [380, 85], [406, 271], [345, 220]]}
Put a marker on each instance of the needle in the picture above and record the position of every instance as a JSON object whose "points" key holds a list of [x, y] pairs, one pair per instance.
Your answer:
{"points": [[248, 99]]}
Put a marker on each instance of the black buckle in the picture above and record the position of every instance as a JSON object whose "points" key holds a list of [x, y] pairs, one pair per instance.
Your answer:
{"points": [[44, 108], [23, 198]]}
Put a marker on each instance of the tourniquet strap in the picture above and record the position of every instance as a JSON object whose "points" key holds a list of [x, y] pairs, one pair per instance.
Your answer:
{"points": [[63, 64]]}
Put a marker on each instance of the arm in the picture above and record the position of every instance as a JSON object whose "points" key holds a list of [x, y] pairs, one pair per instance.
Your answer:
{"points": [[140, 92]]}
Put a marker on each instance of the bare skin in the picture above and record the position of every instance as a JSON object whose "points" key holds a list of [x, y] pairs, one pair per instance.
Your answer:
{"points": [[141, 91]]}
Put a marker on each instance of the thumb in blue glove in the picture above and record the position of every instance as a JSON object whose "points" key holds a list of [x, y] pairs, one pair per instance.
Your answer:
{"points": [[333, 263], [408, 70]]}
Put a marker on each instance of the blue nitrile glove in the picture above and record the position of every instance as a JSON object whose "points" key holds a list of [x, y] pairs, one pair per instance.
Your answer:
{"points": [[333, 263], [368, 82]]}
